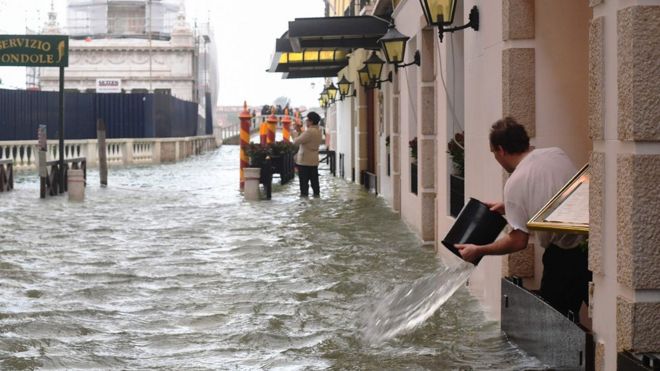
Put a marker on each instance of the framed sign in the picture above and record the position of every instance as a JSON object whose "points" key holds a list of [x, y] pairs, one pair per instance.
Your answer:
{"points": [[108, 85], [568, 210], [34, 50]]}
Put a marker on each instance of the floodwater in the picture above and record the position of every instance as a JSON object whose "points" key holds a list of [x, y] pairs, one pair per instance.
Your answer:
{"points": [[169, 268]]}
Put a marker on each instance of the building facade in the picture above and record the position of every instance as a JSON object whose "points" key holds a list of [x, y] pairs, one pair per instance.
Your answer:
{"points": [[139, 46], [581, 75]]}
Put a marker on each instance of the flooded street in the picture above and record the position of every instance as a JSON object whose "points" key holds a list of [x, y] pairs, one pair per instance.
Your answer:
{"points": [[169, 268]]}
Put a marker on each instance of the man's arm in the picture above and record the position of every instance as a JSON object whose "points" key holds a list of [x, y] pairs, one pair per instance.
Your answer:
{"points": [[515, 241]]}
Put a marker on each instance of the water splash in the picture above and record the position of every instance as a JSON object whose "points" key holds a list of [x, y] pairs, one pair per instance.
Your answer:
{"points": [[409, 305]]}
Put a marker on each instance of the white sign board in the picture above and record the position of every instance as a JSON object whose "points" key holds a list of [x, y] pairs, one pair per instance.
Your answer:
{"points": [[108, 85]]}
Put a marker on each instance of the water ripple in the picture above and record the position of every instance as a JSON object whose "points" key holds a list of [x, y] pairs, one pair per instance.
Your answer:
{"points": [[169, 268]]}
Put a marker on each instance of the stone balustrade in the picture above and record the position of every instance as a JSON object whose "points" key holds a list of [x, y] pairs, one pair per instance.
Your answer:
{"points": [[120, 151]]}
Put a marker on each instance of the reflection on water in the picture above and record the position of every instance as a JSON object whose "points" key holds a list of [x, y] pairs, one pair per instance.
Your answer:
{"points": [[168, 268]]}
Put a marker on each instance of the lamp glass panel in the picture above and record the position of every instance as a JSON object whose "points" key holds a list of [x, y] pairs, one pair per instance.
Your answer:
{"points": [[364, 77], [295, 57], [434, 8], [344, 86], [327, 55], [374, 70], [332, 92], [394, 51], [311, 56]]}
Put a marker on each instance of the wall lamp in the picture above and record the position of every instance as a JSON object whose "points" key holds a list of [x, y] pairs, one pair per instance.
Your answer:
{"points": [[344, 88], [332, 92], [441, 13], [370, 73], [393, 44], [324, 96]]}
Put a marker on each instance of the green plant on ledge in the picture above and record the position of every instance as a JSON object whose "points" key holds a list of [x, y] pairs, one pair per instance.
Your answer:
{"points": [[258, 154], [282, 148], [456, 149], [413, 149]]}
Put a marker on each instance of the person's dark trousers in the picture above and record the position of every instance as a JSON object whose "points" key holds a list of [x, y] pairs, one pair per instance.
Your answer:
{"points": [[565, 282], [307, 174]]}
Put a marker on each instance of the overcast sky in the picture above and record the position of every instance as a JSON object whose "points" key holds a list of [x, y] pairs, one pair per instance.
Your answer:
{"points": [[245, 31]]}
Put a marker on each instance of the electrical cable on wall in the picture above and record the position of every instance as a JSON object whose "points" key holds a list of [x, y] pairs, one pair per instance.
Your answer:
{"points": [[450, 103]]}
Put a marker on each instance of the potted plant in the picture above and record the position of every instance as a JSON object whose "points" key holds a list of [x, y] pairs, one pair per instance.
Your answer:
{"points": [[258, 154], [456, 150]]}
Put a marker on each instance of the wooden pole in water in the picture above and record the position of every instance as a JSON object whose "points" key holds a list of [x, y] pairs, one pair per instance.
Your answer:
{"points": [[103, 149], [245, 117], [62, 172], [42, 145]]}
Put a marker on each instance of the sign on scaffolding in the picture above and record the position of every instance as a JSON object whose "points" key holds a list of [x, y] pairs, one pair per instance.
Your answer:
{"points": [[108, 85]]}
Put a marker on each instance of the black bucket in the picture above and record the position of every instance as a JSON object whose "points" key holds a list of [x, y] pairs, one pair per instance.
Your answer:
{"points": [[476, 224]]}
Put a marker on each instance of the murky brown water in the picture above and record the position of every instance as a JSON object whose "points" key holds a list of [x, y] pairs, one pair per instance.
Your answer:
{"points": [[169, 268]]}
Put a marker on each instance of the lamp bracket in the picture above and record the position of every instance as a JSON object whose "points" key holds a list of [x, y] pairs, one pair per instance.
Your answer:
{"points": [[376, 84], [417, 60], [473, 22]]}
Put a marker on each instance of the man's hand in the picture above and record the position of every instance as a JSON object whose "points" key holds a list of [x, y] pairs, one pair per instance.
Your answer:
{"points": [[469, 253], [498, 207]]}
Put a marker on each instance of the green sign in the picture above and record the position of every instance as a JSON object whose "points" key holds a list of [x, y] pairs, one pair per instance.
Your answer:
{"points": [[34, 50]]}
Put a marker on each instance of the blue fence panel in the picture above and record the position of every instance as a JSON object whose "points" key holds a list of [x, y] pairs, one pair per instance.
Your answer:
{"points": [[125, 115], [79, 116]]}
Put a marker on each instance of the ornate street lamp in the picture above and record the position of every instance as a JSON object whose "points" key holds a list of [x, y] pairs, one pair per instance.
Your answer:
{"points": [[393, 44], [324, 95], [441, 13], [363, 73], [332, 92], [374, 66], [344, 87]]}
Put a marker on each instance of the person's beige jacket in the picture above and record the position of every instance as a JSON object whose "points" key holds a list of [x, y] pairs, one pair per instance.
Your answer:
{"points": [[309, 142]]}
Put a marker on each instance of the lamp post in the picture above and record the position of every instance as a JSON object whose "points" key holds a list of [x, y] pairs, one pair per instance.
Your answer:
{"points": [[441, 13]]}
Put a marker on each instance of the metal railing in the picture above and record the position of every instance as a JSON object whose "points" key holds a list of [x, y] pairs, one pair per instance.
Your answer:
{"points": [[24, 154]]}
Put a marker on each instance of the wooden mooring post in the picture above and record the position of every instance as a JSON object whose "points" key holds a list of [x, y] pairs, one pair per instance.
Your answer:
{"points": [[103, 152], [42, 146], [58, 176], [6, 175]]}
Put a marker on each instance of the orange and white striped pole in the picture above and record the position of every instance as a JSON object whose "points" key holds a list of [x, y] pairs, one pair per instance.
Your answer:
{"points": [[272, 126], [286, 126], [245, 117], [263, 133], [298, 120]]}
